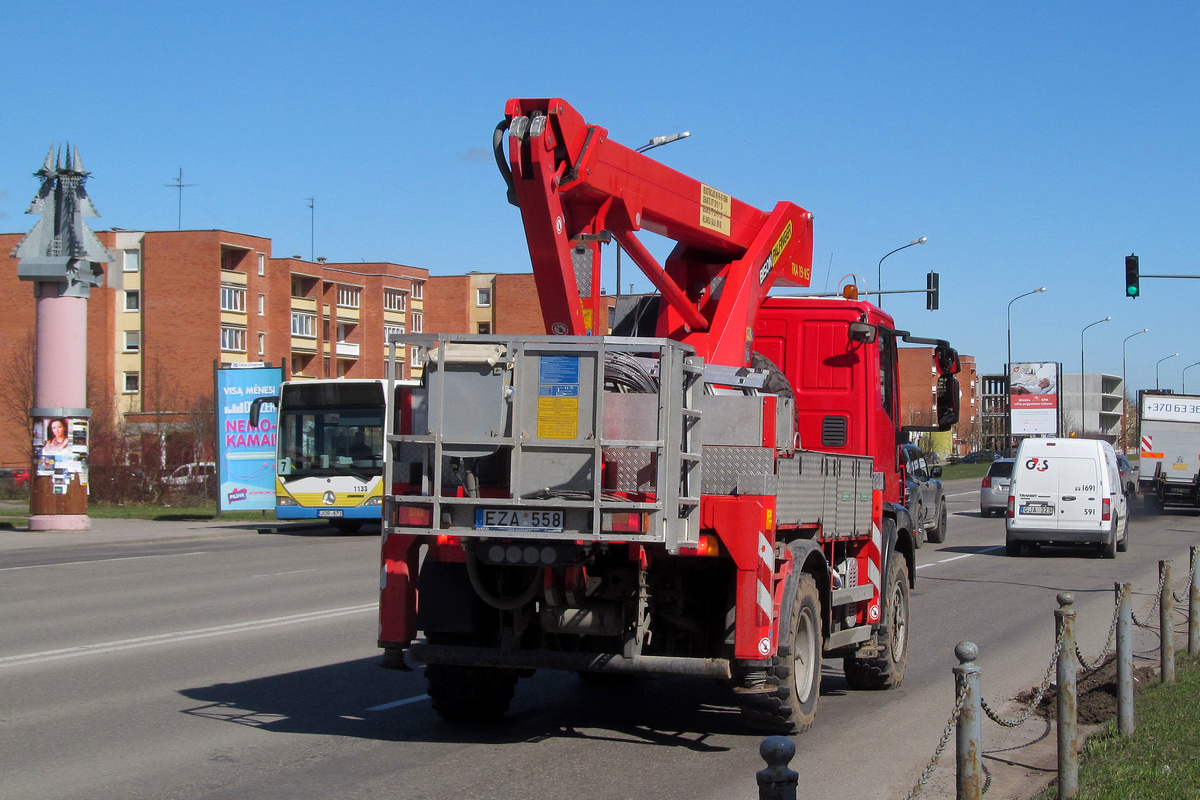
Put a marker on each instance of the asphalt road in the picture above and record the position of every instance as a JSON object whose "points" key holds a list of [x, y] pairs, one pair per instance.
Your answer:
{"points": [[217, 662]]}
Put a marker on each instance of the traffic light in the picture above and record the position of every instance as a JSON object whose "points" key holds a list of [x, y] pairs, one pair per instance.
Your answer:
{"points": [[1132, 278], [931, 291]]}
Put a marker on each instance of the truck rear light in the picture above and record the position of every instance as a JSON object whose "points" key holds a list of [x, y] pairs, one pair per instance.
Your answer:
{"points": [[624, 522], [448, 540], [414, 516], [1106, 510], [707, 546], [1012, 504]]}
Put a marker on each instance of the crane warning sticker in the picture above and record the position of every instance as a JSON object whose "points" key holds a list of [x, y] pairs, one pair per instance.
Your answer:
{"points": [[558, 397], [715, 209]]}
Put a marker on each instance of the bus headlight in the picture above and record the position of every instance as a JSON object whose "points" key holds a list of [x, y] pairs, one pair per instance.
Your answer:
{"points": [[374, 501], [284, 500]]}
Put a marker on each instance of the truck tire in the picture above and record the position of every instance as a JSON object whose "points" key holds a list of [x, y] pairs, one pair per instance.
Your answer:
{"points": [[886, 670], [469, 694], [793, 678], [937, 534]]}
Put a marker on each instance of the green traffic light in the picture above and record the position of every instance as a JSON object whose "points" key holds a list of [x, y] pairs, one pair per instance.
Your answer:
{"points": [[1132, 291]]}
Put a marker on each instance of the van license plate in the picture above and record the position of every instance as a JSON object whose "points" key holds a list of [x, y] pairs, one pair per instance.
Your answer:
{"points": [[329, 512], [508, 519], [1043, 510]]}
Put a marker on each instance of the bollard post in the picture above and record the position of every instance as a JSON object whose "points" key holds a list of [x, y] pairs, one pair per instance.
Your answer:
{"points": [[1125, 659], [777, 781], [1068, 733], [969, 731], [1194, 605], [1166, 623]]}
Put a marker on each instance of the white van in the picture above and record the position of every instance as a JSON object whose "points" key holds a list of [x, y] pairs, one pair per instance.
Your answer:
{"points": [[1066, 491]]}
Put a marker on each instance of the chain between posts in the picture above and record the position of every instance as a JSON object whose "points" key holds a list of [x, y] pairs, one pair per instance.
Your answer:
{"points": [[937, 753], [1033, 704], [1186, 589], [1153, 606], [1108, 643]]}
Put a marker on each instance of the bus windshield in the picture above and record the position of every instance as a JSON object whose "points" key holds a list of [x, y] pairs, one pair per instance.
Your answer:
{"points": [[337, 433]]}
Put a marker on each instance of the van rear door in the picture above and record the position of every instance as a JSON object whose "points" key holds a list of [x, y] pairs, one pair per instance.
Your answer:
{"points": [[1080, 501]]}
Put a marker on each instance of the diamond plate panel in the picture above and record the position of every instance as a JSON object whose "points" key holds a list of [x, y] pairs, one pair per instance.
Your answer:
{"points": [[722, 466], [630, 470], [582, 262]]}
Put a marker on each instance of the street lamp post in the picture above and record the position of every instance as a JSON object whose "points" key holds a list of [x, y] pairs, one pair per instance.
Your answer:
{"points": [[1125, 390], [1008, 371], [879, 269], [1157, 384], [1185, 369], [1082, 373], [659, 141]]}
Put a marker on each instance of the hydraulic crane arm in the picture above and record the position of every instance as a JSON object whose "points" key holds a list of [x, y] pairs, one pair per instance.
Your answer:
{"points": [[572, 184]]}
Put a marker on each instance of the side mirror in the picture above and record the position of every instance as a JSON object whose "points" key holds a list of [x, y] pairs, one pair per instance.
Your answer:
{"points": [[935, 472], [256, 407], [947, 360], [863, 332], [947, 400]]}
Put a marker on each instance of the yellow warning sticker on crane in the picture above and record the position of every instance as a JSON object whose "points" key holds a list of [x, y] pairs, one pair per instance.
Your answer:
{"points": [[715, 209], [558, 418]]}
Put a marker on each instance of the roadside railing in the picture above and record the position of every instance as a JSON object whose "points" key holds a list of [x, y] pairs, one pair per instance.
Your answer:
{"points": [[778, 782]]}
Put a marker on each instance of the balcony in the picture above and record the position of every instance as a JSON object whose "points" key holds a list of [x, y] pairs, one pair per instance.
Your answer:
{"points": [[347, 349]]}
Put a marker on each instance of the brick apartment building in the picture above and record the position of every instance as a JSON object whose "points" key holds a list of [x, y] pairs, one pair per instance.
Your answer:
{"points": [[175, 302], [918, 394], [488, 302]]}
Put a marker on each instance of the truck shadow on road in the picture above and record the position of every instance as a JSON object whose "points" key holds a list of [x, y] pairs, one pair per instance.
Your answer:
{"points": [[361, 700]]}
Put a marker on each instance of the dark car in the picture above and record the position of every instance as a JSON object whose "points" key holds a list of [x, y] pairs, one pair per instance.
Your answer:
{"points": [[1129, 475], [923, 495], [979, 457]]}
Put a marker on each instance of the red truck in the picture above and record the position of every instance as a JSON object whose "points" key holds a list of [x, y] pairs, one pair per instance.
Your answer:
{"points": [[717, 493]]}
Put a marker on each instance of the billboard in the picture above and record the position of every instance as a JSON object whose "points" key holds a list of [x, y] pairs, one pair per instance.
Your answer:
{"points": [[1033, 398], [246, 455]]}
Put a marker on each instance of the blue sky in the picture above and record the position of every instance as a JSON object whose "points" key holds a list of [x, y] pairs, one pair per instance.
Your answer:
{"points": [[1033, 143]]}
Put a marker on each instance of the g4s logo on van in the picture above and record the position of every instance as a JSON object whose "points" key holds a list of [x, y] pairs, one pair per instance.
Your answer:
{"points": [[1039, 464]]}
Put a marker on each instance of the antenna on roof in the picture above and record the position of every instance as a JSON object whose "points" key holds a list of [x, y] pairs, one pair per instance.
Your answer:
{"points": [[180, 185]]}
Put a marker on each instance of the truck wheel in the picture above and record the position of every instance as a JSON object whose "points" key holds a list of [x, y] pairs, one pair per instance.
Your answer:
{"points": [[886, 670], [793, 678], [469, 694], [938, 534]]}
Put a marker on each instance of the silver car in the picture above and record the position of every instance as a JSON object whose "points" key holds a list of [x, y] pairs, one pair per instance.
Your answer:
{"points": [[993, 494]]}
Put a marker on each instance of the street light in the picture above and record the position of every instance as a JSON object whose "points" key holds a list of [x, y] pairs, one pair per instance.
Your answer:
{"points": [[1164, 358], [1082, 372], [1185, 369], [1125, 389], [879, 269], [1008, 369]]}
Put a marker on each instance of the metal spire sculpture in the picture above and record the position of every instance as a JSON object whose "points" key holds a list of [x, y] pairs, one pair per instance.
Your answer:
{"points": [[61, 247]]}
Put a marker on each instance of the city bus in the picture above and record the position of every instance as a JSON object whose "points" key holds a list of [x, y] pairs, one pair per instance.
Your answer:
{"points": [[329, 451]]}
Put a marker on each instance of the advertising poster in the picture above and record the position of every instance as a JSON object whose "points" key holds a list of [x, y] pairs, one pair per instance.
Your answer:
{"points": [[1033, 398], [245, 455], [60, 450]]}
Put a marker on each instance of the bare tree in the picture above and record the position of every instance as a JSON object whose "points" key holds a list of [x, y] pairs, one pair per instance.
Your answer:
{"points": [[17, 382]]}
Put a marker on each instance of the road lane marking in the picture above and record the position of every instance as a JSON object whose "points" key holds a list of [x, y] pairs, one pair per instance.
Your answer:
{"points": [[963, 494], [182, 636], [290, 572], [964, 555], [101, 560], [419, 698]]}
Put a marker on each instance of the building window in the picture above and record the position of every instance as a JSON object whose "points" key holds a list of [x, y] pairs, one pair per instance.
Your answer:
{"points": [[414, 357], [133, 383], [262, 264], [133, 300], [418, 290], [418, 323], [347, 296], [262, 305], [483, 298], [233, 340], [262, 344], [131, 260], [483, 327], [304, 325], [392, 330], [394, 300], [233, 298], [133, 341]]}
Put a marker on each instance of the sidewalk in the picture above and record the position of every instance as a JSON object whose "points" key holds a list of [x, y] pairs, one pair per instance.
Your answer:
{"points": [[114, 531]]}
